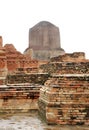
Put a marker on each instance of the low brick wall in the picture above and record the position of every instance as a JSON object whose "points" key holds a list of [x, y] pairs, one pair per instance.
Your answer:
{"points": [[36, 78], [19, 98], [66, 67], [65, 99], [2, 80], [21, 92]]}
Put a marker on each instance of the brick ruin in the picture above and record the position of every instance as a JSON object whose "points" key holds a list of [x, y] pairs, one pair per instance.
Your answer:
{"points": [[14, 62], [57, 87], [15, 98], [20, 81], [64, 99]]}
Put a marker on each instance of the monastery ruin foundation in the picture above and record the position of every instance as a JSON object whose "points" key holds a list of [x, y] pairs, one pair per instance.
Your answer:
{"points": [[45, 78]]}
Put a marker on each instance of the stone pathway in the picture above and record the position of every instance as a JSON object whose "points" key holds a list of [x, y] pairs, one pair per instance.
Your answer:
{"points": [[31, 122]]}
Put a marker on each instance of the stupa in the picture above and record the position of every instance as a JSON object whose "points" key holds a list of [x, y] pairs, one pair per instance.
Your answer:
{"points": [[44, 41]]}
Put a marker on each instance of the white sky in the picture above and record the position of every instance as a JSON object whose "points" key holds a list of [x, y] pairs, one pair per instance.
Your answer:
{"points": [[71, 16]]}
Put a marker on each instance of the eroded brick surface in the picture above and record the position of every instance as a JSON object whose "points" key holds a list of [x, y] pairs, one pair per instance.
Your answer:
{"points": [[64, 99], [19, 98]]}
